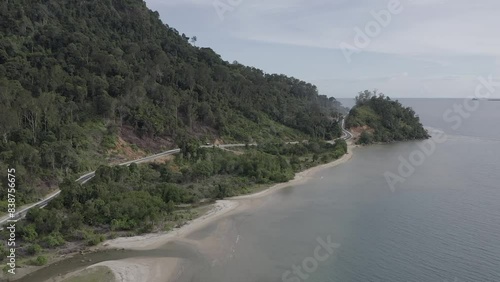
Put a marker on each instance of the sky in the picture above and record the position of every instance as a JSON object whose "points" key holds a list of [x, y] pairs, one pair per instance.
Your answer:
{"points": [[403, 48]]}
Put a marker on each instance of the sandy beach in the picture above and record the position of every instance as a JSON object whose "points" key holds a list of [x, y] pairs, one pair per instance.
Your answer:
{"points": [[152, 269]]}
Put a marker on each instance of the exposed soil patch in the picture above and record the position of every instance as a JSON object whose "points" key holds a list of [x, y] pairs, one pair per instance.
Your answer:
{"points": [[145, 143], [356, 131], [124, 151]]}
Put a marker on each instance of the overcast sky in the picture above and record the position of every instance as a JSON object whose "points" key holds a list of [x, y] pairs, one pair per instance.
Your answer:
{"points": [[428, 48]]}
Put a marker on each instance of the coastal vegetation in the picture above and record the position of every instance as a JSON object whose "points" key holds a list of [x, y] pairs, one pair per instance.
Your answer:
{"points": [[380, 119], [135, 199], [79, 77]]}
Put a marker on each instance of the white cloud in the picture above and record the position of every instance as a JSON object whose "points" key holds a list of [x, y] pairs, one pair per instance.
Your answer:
{"points": [[424, 26]]}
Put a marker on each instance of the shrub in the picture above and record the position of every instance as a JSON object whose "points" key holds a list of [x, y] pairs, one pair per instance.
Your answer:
{"points": [[40, 260], [28, 233], [3, 251], [365, 138], [170, 207], [94, 240], [55, 239], [34, 249]]}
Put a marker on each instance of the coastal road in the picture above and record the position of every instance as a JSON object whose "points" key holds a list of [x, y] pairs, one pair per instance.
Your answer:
{"points": [[88, 176], [346, 135], [20, 213]]}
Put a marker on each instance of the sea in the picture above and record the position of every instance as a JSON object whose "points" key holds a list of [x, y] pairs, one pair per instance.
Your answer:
{"points": [[418, 211]]}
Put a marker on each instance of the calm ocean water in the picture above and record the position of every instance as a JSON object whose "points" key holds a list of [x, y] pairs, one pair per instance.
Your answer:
{"points": [[441, 224]]}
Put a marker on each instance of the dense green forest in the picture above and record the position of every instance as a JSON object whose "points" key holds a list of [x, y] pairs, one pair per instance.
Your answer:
{"points": [[76, 75], [384, 120], [133, 199]]}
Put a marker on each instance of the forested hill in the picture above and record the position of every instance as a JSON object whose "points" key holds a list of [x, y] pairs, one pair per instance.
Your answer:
{"points": [[380, 119], [76, 75]]}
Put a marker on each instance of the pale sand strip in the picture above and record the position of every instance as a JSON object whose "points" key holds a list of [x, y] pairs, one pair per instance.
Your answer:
{"points": [[134, 268], [143, 269], [126, 270]]}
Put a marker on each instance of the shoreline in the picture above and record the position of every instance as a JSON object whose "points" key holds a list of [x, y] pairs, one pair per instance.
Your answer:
{"points": [[221, 208], [149, 269]]}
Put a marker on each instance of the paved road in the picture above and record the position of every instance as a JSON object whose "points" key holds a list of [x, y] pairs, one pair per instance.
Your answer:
{"points": [[87, 177]]}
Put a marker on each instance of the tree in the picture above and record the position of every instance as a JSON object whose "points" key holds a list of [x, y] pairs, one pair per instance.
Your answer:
{"points": [[170, 207], [365, 96], [29, 233], [193, 40], [365, 138], [188, 147], [64, 83], [221, 192], [386, 119]]}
